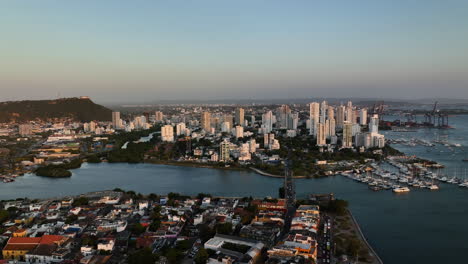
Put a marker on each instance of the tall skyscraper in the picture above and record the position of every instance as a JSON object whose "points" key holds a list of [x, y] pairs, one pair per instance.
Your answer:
{"points": [[267, 122], [282, 114], [363, 117], [239, 131], [331, 112], [293, 121], [228, 118], [225, 127], [374, 124], [224, 151], [321, 135], [167, 133], [323, 112], [206, 121], [314, 115], [116, 121], [158, 116], [347, 135], [180, 129], [340, 116], [240, 116]]}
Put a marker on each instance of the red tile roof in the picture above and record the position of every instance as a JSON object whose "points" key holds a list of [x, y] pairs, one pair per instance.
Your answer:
{"points": [[24, 240], [50, 239]]}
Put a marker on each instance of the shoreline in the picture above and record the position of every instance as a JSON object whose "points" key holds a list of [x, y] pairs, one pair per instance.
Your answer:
{"points": [[371, 250]]}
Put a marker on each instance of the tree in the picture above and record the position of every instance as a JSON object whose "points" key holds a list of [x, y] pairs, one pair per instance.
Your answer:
{"points": [[201, 257], [154, 226], [225, 228], [138, 229], [174, 256], [71, 218], [81, 201], [143, 256], [4, 215]]}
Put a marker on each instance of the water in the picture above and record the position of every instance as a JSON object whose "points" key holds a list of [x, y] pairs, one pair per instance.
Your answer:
{"points": [[142, 139], [451, 157], [418, 227]]}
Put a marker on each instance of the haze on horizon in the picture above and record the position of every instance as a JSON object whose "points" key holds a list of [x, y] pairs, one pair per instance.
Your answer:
{"points": [[134, 51]]}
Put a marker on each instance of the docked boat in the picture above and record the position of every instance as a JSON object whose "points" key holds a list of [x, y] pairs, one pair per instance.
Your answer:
{"points": [[401, 190], [433, 187]]}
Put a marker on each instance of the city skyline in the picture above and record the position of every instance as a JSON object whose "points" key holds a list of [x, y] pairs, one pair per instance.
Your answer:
{"points": [[242, 50]]}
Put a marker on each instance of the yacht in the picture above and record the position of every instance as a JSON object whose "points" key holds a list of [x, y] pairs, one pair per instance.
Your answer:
{"points": [[401, 190], [433, 187]]}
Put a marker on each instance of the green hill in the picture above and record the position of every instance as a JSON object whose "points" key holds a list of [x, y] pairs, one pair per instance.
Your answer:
{"points": [[79, 109]]}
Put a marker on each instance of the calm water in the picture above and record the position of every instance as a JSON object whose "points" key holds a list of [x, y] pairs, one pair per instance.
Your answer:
{"points": [[418, 227]]}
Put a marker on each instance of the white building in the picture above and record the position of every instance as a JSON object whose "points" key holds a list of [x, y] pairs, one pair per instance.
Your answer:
{"points": [[180, 129], [363, 117], [116, 121], [374, 124], [167, 133], [314, 116], [239, 132]]}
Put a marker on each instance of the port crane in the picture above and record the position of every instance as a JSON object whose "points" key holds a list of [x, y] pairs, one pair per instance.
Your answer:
{"points": [[436, 118]]}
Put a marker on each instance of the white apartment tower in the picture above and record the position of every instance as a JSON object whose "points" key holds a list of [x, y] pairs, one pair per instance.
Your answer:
{"points": [[314, 116], [167, 133], [374, 124], [363, 117], [116, 121]]}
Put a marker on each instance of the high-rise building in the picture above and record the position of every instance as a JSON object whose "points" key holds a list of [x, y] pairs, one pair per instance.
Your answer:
{"points": [[323, 112], [374, 124], [349, 114], [267, 122], [240, 116], [225, 127], [224, 149], [340, 116], [239, 131], [314, 116], [180, 129], [206, 121], [347, 135], [363, 117], [330, 128], [158, 116], [282, 116], [228, 118], [293, 120], [269, 141], [116, 121], [321, 135], [331, 112], [252, 145], [167, 133]]}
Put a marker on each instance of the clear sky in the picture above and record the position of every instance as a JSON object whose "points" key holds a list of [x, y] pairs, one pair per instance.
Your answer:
{"points": [[208, 49]]}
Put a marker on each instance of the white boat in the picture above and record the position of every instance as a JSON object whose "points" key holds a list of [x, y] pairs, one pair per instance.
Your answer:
{"points": [[401, 190], [433, 187]]}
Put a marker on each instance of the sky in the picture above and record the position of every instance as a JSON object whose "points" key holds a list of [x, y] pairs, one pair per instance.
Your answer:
{"points": [[143, 51]]}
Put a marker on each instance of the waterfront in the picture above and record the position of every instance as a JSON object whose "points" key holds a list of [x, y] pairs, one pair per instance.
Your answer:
{"points": [[401, 228]]}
